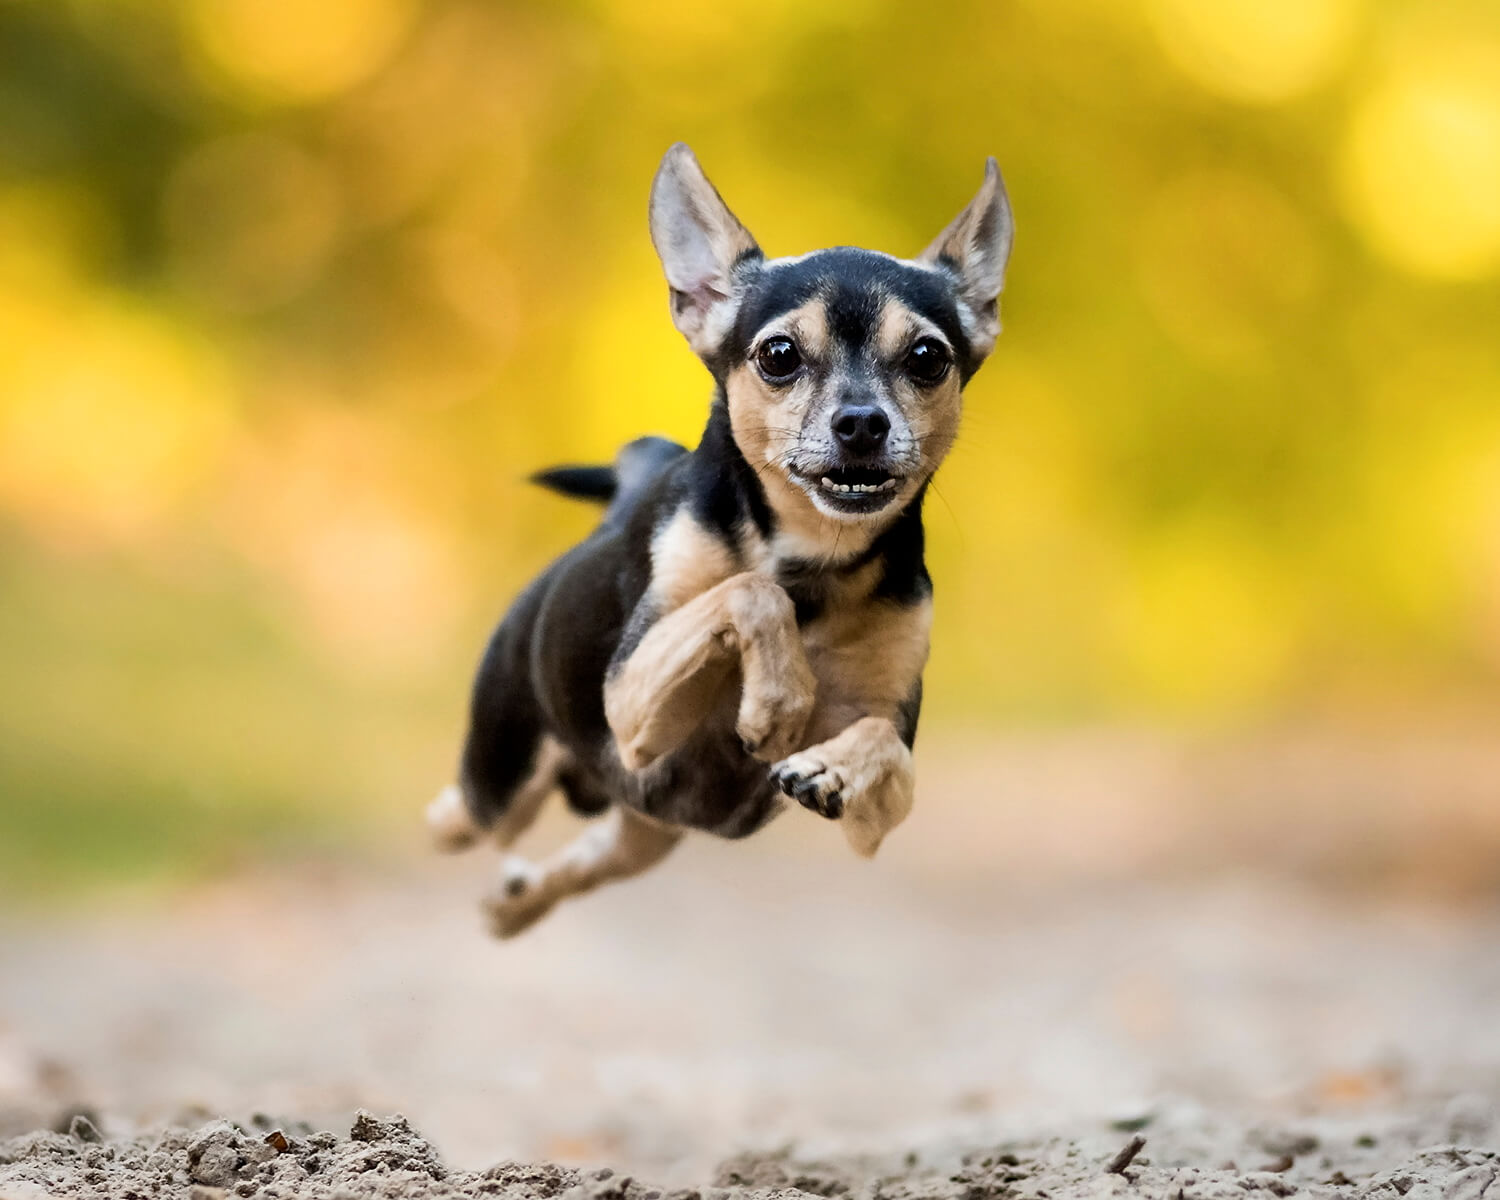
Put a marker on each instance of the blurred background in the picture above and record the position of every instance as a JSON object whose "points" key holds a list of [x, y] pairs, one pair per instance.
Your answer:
{"points": [[293, 297]]}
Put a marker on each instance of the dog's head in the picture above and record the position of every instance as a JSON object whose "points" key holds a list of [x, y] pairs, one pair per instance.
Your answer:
{"points": [[843, 368]]}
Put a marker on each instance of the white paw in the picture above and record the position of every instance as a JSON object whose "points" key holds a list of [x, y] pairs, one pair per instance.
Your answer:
{"points": [[449, 823], [518, 900]]}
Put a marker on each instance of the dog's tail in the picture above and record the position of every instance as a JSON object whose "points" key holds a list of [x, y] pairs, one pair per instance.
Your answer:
{"points": [[582, 483], [635, 466]]}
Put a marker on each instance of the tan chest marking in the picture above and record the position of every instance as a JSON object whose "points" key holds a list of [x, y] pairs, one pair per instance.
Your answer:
{"points": [[867, 657], [866, 654], [687, 560]]}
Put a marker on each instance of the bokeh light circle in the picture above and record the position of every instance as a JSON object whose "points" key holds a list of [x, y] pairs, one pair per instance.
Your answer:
{"points": [[1420, 169], [294, 51], [1256, 51]]}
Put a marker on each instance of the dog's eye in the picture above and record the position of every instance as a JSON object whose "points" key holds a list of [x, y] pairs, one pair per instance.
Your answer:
{"points": [[778, 359], [927, 361]]}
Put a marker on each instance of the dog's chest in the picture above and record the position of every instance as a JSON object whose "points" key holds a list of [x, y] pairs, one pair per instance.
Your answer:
{"points": [[865, 651]]}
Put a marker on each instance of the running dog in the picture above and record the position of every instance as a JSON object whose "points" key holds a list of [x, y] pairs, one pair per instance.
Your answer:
{"points": [[749, 621]]}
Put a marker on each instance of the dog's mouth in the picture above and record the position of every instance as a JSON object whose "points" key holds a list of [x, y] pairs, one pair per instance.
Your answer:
{"points": [[854, 489]]}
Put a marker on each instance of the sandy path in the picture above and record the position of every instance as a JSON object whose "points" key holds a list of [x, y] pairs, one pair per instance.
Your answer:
{"points": [[750, 997], [1060, 939]]}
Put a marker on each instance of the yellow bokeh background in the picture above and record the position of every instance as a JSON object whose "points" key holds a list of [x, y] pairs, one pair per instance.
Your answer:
{"points": [[293, 297]]}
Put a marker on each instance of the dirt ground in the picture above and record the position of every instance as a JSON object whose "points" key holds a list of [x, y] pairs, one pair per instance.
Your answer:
{"points": [[995, 1007], [382, 1158]]}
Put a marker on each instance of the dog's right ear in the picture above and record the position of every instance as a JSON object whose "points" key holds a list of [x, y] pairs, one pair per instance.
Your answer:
{"points": [[702, 246]]}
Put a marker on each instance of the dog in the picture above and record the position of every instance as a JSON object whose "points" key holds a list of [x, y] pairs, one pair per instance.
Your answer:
{"points": [[748, 624]]}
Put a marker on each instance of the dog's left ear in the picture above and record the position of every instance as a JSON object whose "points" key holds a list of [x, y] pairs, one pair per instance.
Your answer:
{"points": [[975, 249], [702, 246]]}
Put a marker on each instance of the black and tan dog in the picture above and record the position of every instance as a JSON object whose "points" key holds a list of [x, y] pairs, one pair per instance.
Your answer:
{"points": [[749, 622]]}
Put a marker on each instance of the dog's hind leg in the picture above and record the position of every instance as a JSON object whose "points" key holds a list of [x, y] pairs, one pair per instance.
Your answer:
{"points": [[509, 766], [451, 818], [448, 821], [624, 844]]}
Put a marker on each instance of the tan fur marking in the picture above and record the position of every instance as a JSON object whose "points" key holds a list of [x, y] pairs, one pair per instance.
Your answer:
{"points": [[686, 560], [623, 844], [899, 327], [677, 674], [767, 421], [933, 411], [867, 658]]}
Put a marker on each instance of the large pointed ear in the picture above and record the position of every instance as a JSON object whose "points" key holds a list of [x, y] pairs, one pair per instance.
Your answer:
{"points": [[703, 248], [975, 249]]}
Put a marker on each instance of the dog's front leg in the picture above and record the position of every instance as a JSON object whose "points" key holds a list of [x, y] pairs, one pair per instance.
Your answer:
{"points": [[862, 777], [673, 677]]}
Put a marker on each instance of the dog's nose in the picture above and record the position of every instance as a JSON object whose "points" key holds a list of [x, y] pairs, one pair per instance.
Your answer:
{"points": [[861, 428]]}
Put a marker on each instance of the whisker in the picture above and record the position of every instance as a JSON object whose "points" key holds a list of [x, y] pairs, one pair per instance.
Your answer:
{"points": [[952, 514]]}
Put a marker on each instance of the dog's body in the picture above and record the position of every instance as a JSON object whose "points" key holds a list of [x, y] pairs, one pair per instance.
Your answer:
{"points": [[750, 619]]}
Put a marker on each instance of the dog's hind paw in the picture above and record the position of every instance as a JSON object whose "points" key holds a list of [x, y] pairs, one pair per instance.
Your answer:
{"points": [[448, 821], [811, 784], [518, 900]]}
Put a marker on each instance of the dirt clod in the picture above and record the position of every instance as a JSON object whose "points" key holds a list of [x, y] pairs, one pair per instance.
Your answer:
{"points": [[84, 1129], [1126, 1156], [1284, 1143]]}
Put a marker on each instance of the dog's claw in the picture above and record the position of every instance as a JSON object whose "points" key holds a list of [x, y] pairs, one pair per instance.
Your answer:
{"points": [[830, 804], [812, 785]]}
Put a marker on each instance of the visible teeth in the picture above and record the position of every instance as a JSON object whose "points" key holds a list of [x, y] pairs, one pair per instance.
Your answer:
{"points": [[850, 489]]}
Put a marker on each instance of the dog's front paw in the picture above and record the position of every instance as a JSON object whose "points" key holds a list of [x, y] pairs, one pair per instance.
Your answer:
{"points": [[812, 784], [518, 900], [862, 778], [773, 719]]}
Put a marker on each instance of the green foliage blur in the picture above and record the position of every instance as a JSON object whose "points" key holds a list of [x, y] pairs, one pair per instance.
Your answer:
{"points": [[294, 295]]}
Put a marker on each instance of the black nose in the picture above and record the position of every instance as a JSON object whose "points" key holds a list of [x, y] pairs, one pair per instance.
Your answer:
{"points": [[861, 428]]}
